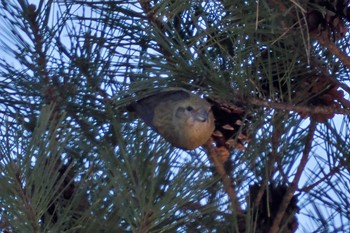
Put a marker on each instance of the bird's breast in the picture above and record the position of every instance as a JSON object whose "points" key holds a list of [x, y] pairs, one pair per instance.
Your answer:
{"points": [[195, 134], [184, 131]]}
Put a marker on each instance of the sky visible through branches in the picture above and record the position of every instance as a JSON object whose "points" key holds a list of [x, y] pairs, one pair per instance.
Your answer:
{"points": [[126, 52]]}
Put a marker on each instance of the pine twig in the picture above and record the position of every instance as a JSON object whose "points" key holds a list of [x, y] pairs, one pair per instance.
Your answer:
{"points": [[280, 5], [276, 139], [331, 173], [296, 108], [294, 185], [334, 49], [214, 155], [152, 18]]}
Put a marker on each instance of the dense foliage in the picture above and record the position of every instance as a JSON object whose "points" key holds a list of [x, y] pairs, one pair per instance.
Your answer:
{"points": [[73, 158]]}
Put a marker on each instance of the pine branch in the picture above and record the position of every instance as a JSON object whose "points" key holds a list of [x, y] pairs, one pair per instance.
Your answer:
{"points": [[294, 185], [332, 172], [297, 108], [214, 154], [275, 141], [281, 6], [334, 49]]}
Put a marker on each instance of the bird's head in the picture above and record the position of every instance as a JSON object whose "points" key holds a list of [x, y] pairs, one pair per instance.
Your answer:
{"points": [[193, 113]]}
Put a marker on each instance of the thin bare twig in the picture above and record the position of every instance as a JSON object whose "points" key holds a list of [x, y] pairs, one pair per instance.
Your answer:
{"points": [[153, 19], [280, 5], [331, 173], [297, 108], [214, 156], [334, 49], [294, 185], [276, 138]]}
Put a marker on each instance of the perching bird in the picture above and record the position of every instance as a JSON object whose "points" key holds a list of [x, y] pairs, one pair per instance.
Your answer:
{"points": [[182, 118]]}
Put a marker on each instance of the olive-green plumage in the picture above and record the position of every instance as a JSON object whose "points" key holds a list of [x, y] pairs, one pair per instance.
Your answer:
{"points": [[182, 118]]}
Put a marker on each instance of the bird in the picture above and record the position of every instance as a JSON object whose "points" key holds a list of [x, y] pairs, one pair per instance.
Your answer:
{"points": [[179, 116]]}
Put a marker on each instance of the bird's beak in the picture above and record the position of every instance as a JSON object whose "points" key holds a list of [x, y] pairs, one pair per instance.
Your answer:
{"points": [[202, 115]]}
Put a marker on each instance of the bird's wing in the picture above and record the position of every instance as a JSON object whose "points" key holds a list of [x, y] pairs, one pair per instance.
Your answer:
{"points": [[145, 107]]}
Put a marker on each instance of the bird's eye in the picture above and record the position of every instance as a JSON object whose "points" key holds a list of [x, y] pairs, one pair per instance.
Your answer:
{"points": [[189, 108]]}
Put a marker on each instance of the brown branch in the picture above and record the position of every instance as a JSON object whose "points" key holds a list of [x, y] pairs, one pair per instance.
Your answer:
{"points": [[331, 173], [32, 16], [214, 156], [275, 142], [280, 5], [153, 19], [334, 49], [294, 185], [296, 108]]}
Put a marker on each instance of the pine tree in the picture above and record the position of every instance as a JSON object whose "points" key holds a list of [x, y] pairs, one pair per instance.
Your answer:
{"points": [[75, 158]]}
